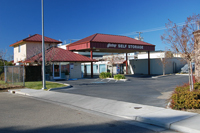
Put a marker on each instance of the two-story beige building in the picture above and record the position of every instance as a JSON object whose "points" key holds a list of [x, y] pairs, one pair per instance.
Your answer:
{"points": [[30, 46], [29, 51]]}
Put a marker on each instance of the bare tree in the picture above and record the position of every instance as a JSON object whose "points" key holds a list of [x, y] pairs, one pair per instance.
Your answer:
{"points": [[112, 60], [165, 59], [3, 54], [197, 55], [181, 39]]}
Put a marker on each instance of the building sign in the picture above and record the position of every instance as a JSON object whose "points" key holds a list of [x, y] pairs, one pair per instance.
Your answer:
{"points": [[124, 46], [109, 45]]}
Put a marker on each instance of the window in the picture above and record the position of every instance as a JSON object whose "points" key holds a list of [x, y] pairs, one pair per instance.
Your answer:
{"points": [[19, 48]]}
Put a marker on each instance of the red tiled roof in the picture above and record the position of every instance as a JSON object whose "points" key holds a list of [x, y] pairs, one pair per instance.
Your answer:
{"points": [[37, 38], [55, 54], [110, 39]]}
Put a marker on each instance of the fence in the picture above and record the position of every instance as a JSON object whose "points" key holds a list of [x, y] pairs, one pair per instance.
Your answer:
{"points": [[14, 74]]}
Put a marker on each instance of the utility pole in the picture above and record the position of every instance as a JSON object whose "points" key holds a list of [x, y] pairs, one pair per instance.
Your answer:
{"points": [[43, 50], [140, 38], [70, 41]]}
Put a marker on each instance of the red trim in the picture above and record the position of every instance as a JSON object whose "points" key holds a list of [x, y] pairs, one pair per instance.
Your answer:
{"points": [[16, 43]]}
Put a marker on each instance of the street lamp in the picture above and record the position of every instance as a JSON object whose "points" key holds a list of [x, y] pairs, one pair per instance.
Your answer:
{"points": [[43, 49]]}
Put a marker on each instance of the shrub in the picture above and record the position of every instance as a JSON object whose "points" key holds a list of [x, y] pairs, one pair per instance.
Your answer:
{"points": [[182, 98], [104, 75], [119, 76], [108, 75]]}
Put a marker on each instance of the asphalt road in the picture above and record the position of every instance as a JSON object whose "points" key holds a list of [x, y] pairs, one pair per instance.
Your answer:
{"points": [[23, 114], [142, 90]]}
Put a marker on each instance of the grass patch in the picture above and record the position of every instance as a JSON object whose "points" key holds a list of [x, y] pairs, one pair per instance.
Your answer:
{"points": [[4, 85], [38, 85], [32, 85]]}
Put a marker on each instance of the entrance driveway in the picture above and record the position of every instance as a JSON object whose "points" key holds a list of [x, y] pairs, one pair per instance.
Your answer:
{"points": [[142, 90]]}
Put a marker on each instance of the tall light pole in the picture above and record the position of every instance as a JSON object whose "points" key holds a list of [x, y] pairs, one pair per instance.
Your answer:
{"points": [[43, 50]]}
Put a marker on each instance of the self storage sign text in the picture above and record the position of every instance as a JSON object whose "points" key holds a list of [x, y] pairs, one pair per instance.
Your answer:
{"points": [[125, 46]]}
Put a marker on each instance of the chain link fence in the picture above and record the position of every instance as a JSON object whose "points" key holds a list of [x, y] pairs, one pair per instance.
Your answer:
{"points": [[14, 74]]}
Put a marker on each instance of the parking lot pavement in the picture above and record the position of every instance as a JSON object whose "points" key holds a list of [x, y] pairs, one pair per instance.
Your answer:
{"points": [[143, 90]]}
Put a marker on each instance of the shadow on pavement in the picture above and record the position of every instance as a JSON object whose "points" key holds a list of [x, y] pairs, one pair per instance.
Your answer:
{"points": [[114, 127]]}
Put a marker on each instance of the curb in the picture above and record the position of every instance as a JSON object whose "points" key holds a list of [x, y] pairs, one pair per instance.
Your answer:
{"points": [[69, 86], [60, 83], [161, 76], [117, 80], [182, 74], [65, 87], [17, 92]]}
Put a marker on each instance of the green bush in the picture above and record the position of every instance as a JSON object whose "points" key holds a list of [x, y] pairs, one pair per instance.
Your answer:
{"points": [[104, 75], [119, 76], [108, 75], [182, 98]]}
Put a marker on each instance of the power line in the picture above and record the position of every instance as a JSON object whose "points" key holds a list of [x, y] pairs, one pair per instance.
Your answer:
{"points": [[72, 40], [153, 29]]}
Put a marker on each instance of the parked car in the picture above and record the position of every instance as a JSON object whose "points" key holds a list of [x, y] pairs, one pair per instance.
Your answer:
{"points": [[184, 69]]}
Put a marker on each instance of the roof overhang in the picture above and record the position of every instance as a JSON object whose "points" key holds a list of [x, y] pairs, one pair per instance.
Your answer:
{"points": [[23, 42], [110, 47], [35, 38], [55, 54]]}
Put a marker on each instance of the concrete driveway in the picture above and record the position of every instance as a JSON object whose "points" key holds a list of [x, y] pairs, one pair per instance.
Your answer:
{"points": [[138, 89]]}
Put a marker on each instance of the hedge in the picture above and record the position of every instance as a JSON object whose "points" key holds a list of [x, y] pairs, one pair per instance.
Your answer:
{"points": [[104, 75], [182, 98], [119, 76]]}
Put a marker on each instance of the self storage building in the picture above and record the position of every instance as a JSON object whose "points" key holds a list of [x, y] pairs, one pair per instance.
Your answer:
{"points": [[111, 44]]}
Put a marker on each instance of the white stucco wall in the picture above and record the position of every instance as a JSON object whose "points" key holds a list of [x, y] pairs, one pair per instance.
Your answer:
{"points": [[75, 70], [18, 56], [140, 66], [152, 55], [28, 49]]}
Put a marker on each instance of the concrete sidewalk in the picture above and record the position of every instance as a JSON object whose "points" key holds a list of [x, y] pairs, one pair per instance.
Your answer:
{"points": [[166, 118]]}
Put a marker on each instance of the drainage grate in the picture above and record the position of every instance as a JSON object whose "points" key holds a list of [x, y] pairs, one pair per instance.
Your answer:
{"points": [[137, 107]]}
